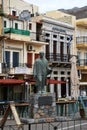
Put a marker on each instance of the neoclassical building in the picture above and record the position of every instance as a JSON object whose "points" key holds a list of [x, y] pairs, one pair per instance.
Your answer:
{"points": [[57, 28]]}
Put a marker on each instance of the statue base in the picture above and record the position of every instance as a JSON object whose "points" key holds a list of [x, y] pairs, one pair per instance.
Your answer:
{"points": [[42, 105]]}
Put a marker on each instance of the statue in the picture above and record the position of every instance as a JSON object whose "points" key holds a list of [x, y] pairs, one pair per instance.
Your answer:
{"points": [[40, 72]]}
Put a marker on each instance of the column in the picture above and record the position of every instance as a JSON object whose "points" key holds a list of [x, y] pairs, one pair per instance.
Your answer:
{"points": [[59, 89], [67, 88], [51, 88]]}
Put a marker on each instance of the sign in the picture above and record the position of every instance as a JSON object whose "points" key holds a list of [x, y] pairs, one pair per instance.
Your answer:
{"points": [[45, 100], [21, 70], [25, 15], [58, 29]]}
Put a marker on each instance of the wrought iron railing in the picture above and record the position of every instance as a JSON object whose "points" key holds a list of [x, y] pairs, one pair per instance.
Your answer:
{"points": [[82, 62], [58, 57], [11, 65], [82, 39]]}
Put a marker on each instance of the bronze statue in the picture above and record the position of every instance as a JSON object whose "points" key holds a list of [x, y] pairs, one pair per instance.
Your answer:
{"points": [[40, 72]]}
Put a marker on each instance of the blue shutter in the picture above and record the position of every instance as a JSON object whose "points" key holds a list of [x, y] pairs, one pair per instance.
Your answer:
{"points": [[15, 59], [7, 58]]}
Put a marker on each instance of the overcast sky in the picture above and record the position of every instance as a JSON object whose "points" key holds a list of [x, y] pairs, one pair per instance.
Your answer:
{"points": [[49, 5]]}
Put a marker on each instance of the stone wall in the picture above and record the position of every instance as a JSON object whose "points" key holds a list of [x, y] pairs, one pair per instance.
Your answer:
{"points": [[42, 105]]}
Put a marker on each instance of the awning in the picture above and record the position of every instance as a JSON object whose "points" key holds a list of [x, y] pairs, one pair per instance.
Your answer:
{"points": [[31, 83], [11, 81], [53, 81]]}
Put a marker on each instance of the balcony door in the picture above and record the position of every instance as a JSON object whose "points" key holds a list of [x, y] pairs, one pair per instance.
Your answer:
{"points": [[54, 50], [15, 59], [29, 60], [7, 58], [47, 52], [61, 50]]}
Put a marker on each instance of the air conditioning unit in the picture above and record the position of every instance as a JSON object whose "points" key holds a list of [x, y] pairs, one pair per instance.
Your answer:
{"points": [[30, 48]]}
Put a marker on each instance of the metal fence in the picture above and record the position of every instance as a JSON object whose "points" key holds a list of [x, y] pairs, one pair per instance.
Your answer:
{"points": [[77, 124]]}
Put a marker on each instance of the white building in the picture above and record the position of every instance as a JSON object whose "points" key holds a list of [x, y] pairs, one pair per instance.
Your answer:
{"points": [[57, 33]]}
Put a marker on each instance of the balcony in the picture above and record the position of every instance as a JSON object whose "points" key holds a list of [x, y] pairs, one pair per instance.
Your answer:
{"points": [[59, 60], [82, 64], [81, 42], [16, 34], [21, 68]]}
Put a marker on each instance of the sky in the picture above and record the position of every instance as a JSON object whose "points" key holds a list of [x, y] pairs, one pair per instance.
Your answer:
{"points": [[49, 5]]}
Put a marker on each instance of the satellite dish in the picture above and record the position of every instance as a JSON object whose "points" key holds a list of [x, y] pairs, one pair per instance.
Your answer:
{"points": [[25, 15]]}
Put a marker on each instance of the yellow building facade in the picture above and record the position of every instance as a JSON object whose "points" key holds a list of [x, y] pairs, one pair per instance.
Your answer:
{"points": [[81, 45]]}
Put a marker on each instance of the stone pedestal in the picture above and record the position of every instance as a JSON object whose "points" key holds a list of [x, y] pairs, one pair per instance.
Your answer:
{"points": [[42, 105]]}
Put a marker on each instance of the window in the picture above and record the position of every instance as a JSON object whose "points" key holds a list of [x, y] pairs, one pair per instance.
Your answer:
{"points": [[68, 73], [16, 25], [14, 13], [79, 55], [47, 40], [30, 26], [68, 38], [62, 72], [5, 24], [61, 37], [54, 36], [29, 60], [7, 58], [85, 58], [55, 72], [47, 35], [85, 55], [15, 59]]}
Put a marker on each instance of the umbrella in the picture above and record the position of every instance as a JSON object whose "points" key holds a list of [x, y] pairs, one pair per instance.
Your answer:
{"points": [[74, 78]]}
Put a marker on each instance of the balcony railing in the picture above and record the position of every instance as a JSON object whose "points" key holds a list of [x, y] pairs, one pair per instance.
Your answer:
{"points": [[7, 66], [11, 65], [82, 62], [81, 40], [16, 31], [58, 57]]}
